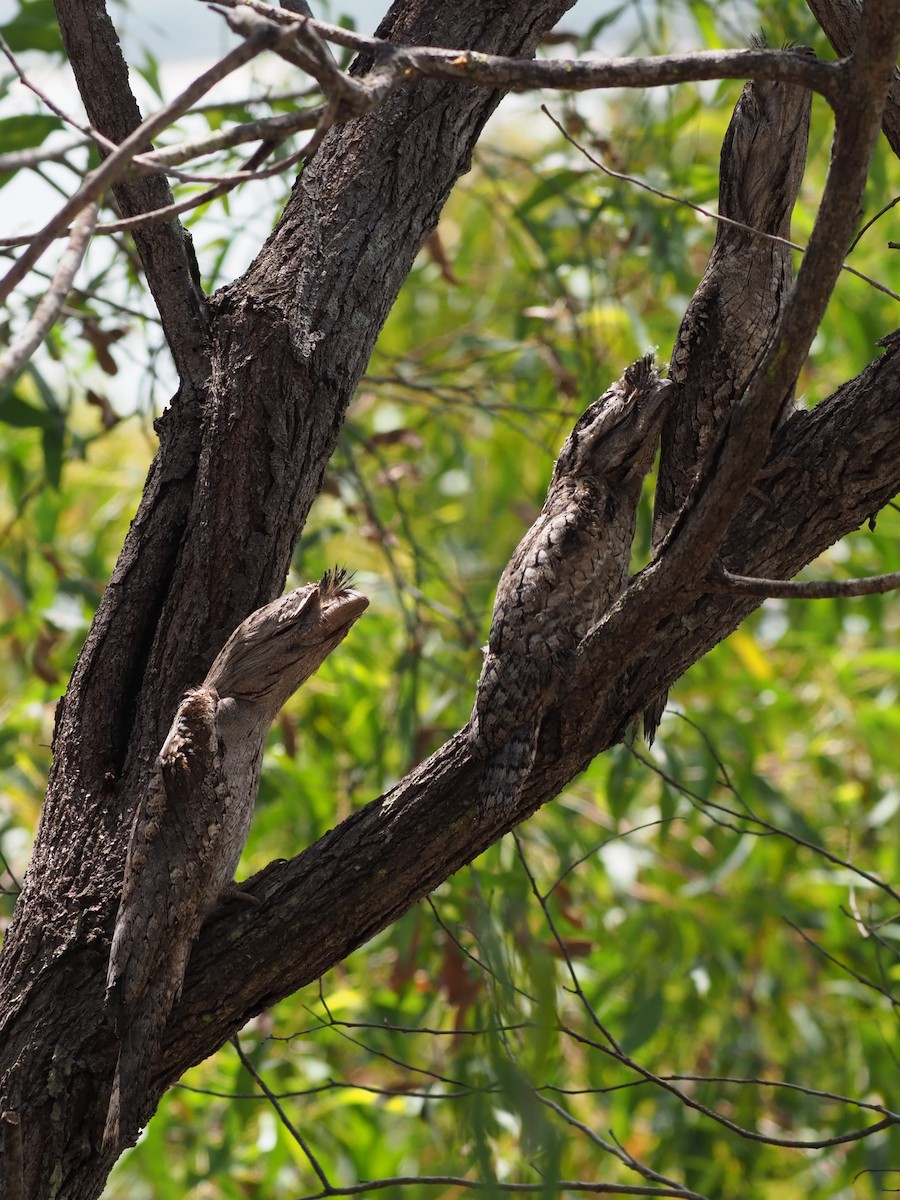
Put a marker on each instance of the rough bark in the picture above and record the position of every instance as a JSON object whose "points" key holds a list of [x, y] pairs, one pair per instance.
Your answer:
{"points": [[224, 503], [730, 320]]}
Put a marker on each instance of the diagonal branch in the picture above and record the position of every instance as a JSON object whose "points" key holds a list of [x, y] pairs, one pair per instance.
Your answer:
{"points": [[840, 21], [166, 252], [670, 585], [840, 463], [47, 310]]}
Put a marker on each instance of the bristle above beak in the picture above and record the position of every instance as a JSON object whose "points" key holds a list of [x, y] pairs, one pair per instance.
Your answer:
{"points": [[336, 579]]}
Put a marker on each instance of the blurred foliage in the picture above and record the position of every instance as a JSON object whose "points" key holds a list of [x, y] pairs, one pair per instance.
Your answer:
{"points": [[689, 957]]}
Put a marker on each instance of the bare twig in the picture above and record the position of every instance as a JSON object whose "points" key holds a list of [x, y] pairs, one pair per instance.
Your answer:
{"points": [[707, 212], [271, 129], [615, 1048], [618, 1151], [573, 75], [88, 131], [495, 1186], [815, 1093], [868, 225], [893, 1000], [722, 580], [703, 804], [282, 1115], [749, 1134], [18, 160], [47, 310], [111, 169]]}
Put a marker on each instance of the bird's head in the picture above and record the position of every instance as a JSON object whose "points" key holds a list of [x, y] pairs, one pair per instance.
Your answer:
{"points": [[615, 437], [281, 644]]}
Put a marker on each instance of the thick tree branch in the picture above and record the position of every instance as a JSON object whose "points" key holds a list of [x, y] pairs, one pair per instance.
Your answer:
{"points": [[840, 21], [669, 585], [831, 469], [166, 253]]}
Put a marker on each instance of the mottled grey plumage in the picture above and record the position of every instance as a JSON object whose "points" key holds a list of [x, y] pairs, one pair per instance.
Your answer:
{"points": [[563, 575], [730, 319], [190, 829]]}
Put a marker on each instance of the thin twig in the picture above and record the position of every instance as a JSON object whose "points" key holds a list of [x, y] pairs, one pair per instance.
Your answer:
{"points": [[724, 581], [868, 225], [704, 805], [616, 1049], [22, 347], [750, 1134], [843, 966], [111, 169], [266, 130], [282, 1115], [618, 1151], [706, 212], [92, 134], [18, 160], [497, 1185], [815, 1093]]}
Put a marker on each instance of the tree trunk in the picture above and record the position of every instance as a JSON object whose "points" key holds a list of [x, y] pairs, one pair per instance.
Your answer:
{"points": [[240, 462]]}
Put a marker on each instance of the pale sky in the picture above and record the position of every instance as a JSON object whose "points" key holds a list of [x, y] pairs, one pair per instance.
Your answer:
{"points": [[176, 29]]}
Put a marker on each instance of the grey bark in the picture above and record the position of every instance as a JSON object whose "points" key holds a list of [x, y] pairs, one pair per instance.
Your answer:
{"points": [[730, 321], [224, 503]]}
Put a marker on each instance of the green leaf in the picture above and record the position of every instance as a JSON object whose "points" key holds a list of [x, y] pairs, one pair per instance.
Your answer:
{"points": [[26, 132], [643, 1022], [620, 788], [22, 415], [52, 441], [34, 28]]}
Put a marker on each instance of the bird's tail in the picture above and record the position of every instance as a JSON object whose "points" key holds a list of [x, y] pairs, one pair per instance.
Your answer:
{"points": [[506, 772], [129, 1102]]}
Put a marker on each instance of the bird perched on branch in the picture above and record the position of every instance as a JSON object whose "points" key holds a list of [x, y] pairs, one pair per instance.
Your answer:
{"points": [[564, 573], [729, 322], [191, 825]]}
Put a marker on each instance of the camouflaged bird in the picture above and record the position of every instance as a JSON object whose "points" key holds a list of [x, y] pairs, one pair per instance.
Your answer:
{"points": [[563, 575], [191, 826]]}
